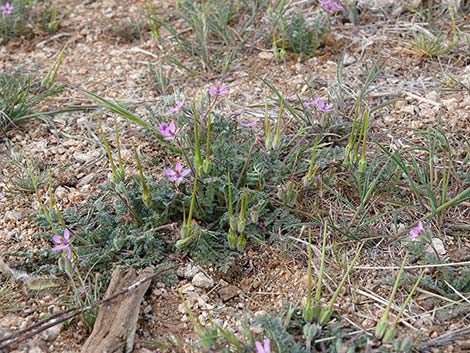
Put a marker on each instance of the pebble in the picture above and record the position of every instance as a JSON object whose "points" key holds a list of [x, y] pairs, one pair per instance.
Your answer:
{"points": [[181, 309], [13, 216], [187, 288], [228, 292], [437, 244], [52, 332], [188, 271], [203, 318], [147, 309], [202, 281]]}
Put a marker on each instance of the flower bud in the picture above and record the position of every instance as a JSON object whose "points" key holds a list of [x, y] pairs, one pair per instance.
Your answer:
{"points": [[183, 242], [241, 242], [205, 166], [147, 197], [185, 231], [308, 313], [241, 225], [381, 328], [233, 223], [310, 330], [325, 316], [389, 335]]}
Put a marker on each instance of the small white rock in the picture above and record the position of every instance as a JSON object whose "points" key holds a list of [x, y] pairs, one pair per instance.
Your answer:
{"points": [[188, 272], [181, 309], [188, 287], [202, 281], [265, 55], [437, 244]]}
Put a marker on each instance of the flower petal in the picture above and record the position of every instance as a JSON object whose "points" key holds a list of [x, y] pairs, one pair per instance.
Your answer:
{"points": [[59, 247], [57, 239], [66, 235], [178, 167], [420, 227], [169, 172], [267, 347], [185, 172], [249, 124]]}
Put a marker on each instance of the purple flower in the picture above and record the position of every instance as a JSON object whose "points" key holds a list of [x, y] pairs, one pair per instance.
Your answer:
{"points": [[248, 123], [331, 6], [177, 107], [416, 231], [169, 131], [177, 174], [218, 90], [263, 349], [319, 104], [309, 103], [62, 243], [6, 9]]}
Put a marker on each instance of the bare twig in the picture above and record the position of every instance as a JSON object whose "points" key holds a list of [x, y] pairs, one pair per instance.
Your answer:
{"points": [[451, 264], [62, 316], [445, 338]]}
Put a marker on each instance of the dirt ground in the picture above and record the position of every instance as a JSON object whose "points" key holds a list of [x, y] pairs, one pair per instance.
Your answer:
{"points": [[265, 277]]}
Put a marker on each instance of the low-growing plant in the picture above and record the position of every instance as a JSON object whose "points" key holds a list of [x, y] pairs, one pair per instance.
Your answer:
{"points": [[302, 38], [430, 179], [212, 41], [22, 18], [431, 46], [237, 184], [161, 79], [19, 178], [20, 95]]}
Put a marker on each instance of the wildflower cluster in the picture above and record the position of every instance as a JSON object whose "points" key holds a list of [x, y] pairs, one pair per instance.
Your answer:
{"points": [[6, 9], [319, 104], [331, 6]]}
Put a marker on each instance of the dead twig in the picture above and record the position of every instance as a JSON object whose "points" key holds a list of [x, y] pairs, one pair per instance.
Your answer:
{"points": [[62, 316], [445, 338]]}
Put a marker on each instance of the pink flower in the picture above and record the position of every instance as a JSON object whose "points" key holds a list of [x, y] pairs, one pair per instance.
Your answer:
{"points": [[62, 243], [319, 104], [177, 107], [177, 174], [6, 9], [248, 123], [415, 232], [331, 5], [263, 349], [169, 131], [218, 90]]}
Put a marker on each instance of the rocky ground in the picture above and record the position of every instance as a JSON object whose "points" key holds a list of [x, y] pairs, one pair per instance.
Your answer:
{"points": [[97, 61]]}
